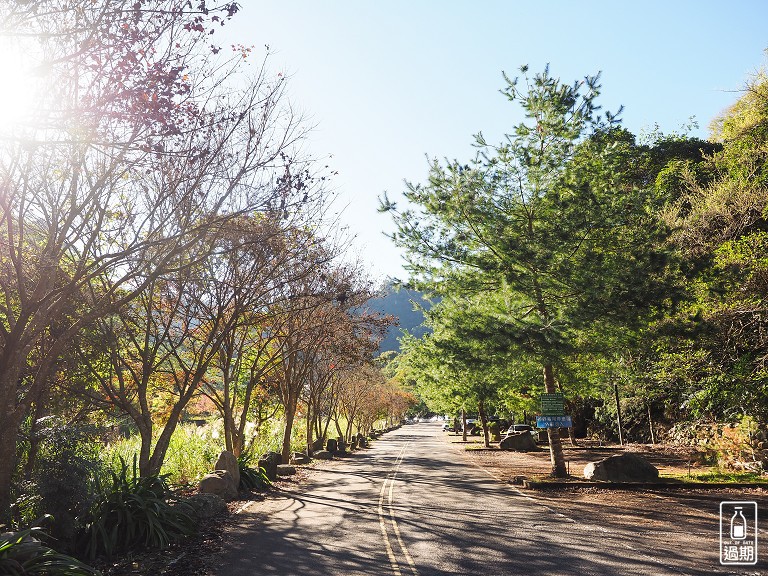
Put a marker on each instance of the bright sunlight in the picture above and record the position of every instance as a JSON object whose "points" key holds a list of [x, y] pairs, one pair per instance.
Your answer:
{"points": [[16, 89]]}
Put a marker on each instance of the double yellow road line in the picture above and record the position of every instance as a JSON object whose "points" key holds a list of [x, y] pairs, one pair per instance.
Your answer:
{"points": [[388, 492]]}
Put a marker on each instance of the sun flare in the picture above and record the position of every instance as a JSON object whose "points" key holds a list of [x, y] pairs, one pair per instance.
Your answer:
{"points": [[16, 90]]}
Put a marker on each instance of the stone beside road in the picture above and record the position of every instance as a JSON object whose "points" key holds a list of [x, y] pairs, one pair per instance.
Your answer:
{"points": [[626, 467], [300, 458], [269, 462], [227, 461], [220, 483], [286, 470], [519, 442]]}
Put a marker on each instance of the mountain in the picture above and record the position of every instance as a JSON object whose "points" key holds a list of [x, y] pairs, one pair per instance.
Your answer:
{"points": [[400, 304]]}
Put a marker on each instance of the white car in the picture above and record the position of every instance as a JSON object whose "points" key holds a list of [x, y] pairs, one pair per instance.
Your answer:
{"points": [[517, 428]]}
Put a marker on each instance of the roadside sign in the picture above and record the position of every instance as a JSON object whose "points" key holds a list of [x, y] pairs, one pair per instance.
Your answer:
{"points": [[553, 422], [552, 404]]}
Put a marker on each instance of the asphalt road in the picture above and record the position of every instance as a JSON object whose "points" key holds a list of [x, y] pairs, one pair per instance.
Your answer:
{"points": [[413, 505]]}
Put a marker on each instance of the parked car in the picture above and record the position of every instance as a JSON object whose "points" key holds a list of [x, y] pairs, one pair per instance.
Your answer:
{"points": [[517, 428]]}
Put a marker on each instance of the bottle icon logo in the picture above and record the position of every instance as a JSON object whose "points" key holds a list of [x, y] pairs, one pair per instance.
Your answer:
{"points": [[738, 525], [738, 533]]}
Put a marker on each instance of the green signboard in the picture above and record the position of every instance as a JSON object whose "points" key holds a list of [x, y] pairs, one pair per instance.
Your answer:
{"points": [[552, 404]]}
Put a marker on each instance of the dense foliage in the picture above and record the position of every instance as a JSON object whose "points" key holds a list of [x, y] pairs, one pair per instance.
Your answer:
{"points": [[630, 274]]}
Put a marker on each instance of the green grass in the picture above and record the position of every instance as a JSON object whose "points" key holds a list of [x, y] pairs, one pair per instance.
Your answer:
{"points": [[192, 453], [723, 477]]}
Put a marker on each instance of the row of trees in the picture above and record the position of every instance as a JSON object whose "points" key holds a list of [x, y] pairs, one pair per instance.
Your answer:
{"points": [[572, 255], [163, 239]]}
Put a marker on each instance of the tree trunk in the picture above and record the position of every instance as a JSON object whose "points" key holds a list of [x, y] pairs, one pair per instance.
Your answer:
{"points": [[463, 425], [290, 414], [348, 434], [484, 422], [650, 424], [8, 430], [310, 426], [618, 414], [145, 432], [556, 456], [34, 439]]}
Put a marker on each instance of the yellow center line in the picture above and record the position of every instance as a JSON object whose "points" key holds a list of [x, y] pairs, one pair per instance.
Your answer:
{"points": [[383, 525], [392, 514]]}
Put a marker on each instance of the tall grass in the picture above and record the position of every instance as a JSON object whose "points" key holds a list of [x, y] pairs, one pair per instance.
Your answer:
{"points": [[193, 450], [191, 454]]}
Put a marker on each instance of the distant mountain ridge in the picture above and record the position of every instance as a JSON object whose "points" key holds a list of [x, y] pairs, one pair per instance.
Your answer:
{"points": [[400, 305]]}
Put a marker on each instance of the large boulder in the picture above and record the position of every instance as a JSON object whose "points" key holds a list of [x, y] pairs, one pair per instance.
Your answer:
{"points": [[227, 461], [206, 505], [322, 455], [332, 445], [518, 442], [220, 483], [626, 467], [270, 462], [300, 458]]}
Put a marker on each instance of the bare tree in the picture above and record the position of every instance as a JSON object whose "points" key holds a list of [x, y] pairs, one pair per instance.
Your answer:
{"points": [[144, 147]]}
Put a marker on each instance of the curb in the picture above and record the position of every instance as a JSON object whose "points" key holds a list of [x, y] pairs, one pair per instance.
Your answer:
{"points": [[536, 485]]}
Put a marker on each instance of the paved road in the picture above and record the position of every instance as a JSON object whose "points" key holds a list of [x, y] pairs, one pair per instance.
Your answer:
{"points": [[412, 505]]}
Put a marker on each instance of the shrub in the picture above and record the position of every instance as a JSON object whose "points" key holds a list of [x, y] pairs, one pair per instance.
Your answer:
{"points": [[132, 512], [252, 478], [23, 554], [58, 476]]}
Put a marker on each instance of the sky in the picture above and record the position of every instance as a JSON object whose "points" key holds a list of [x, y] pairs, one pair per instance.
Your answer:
{"points": [[388, 84]]}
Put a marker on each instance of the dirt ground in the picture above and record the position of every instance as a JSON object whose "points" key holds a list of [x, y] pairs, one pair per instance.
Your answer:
{"points": [[660, 514], [670, 460]]}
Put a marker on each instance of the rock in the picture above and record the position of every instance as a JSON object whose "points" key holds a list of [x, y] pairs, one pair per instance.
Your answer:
{"points": [[332, 446], [286, 470], [626, 467], [353, 443], [227, 461], [206, 505], [220, 483], [341, 444], [28, 549], [519, 442], [322, 455], [269, 462], [300, 458], [362, 441], [317, 445]]}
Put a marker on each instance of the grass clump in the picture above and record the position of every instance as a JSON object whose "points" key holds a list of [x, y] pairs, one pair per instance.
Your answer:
{"points": [[133, 512], [24, 553]]}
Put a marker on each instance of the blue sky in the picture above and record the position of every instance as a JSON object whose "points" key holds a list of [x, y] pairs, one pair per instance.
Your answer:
{"points": [[388, 83]]}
